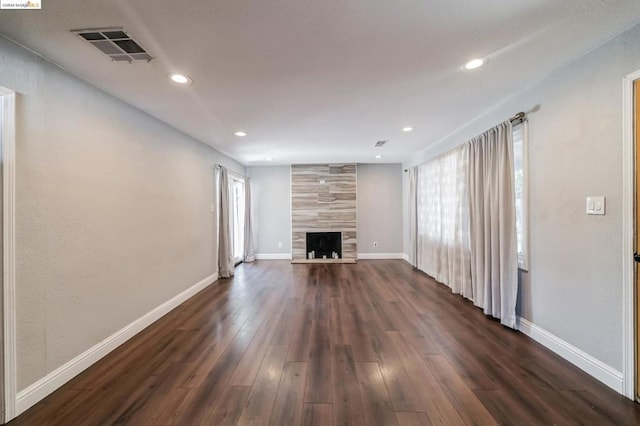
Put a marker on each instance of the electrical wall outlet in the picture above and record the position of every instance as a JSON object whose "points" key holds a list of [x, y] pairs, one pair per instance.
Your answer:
{"points": [[279, 244]]}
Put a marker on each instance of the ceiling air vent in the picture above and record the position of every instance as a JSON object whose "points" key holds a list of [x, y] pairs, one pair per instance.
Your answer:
{"points": [[380, 143], [115, 43]]}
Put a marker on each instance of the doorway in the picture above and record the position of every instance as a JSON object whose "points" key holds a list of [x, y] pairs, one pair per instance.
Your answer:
{"points": [[236, 215], [636, 236]]}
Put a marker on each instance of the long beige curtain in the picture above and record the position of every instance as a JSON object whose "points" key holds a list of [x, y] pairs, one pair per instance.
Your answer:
{"points": [[225, 250], [249, 255], [492, 213], [466, 221], [413, 216]]}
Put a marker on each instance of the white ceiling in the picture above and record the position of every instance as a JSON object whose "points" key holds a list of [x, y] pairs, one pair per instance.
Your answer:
{"points": [[322, 80]]}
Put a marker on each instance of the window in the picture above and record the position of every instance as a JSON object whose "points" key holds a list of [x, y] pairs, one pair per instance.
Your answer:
{"points": [[520, 135], [442, 237]]}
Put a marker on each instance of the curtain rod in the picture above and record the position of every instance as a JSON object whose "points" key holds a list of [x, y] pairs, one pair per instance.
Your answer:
{"points": [[231, 173], [518, 117]]}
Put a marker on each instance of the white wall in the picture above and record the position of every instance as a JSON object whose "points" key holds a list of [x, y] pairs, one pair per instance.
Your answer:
{"points": [[380, 208], [574, 286], [113, 212], [271, 202]]}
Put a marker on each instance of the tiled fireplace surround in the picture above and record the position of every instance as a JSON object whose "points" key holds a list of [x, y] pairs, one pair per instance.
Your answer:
{"points": [[323, 199]]}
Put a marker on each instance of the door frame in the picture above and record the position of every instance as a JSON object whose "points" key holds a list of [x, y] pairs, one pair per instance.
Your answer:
{"points": [[628, 219], [234, 177], [7, 160]]}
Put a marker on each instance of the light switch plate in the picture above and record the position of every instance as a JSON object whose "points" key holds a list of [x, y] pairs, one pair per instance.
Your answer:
{"points": [[596, 205]]}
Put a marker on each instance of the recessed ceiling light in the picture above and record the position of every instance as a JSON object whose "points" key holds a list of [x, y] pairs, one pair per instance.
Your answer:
{"points": [[474, 63], [407, 129], [241, 134], [269, 159], [378, 156], [180, 78]]}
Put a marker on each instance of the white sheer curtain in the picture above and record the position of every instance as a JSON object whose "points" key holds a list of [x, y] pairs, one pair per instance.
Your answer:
{"points": [[225, 251], [249, 255], [442, 220], [494, 259]]}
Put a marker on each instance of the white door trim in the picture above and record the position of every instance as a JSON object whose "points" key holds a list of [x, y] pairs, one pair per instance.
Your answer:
{"points": [[8, 149], [628, 273]]}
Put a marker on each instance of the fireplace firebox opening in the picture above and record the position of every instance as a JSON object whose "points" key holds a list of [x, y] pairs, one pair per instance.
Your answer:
{"points": [[324, 245]]}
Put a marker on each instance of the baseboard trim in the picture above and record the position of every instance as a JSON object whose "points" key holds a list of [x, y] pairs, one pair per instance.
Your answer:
{"points": [[287, 256], [380, 256], [590, 365], [273, 256], [405, 257], [37, 391]]}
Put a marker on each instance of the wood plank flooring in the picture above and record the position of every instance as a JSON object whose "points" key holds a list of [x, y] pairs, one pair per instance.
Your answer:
{"points": [[374, 343]]}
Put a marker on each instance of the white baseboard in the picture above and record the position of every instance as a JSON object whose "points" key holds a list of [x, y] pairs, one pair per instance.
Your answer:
{"points": [[273, 256], [590, 365], [380, 256], [405, 257], [287, 256], [37, 391]]}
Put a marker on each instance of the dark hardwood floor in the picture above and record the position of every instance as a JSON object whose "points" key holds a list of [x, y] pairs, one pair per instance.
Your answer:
{"points": [[374, 343]]}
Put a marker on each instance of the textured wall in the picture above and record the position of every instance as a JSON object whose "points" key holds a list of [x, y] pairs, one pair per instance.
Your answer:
{"points": [[574, 285], [271, 202], [113, 213], [323, 198], [380, 208]]}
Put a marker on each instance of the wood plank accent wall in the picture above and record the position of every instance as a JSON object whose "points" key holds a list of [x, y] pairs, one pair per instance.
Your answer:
{"points": [[323, 207]]}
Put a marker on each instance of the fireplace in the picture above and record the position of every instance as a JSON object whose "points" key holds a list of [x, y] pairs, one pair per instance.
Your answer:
{"points": [[324, 245], [323, 198]]}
